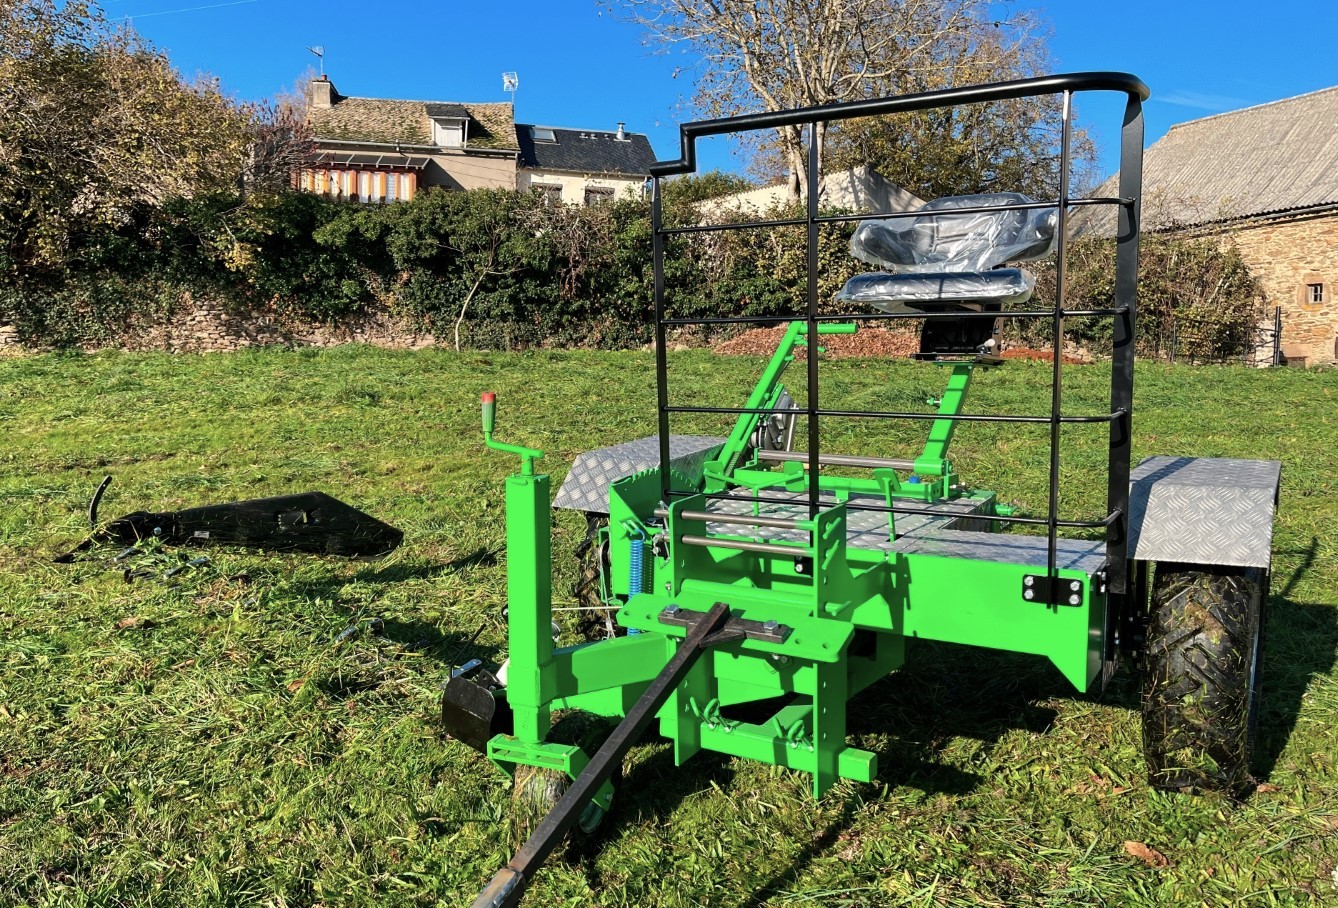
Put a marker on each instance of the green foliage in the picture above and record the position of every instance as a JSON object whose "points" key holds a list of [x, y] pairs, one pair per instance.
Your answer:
{"points": [[1197, 290], [95, 126]]}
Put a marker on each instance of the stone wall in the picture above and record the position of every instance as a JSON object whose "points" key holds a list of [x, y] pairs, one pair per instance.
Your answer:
{"points": [[207, 326], [1288, 257]]}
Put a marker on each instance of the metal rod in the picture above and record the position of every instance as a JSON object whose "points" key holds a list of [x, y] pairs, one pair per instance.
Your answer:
{"points": [[661, 354], [1122, 350], [839, 460], [876, 414], [1056, 386], [972, 94], [764, 548], [882, 316], [509, 884], [779, 523], [811, 397], [1107, 521]]}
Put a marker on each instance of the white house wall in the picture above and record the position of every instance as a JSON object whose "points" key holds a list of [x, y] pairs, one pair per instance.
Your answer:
{"points": [[574, 185]]}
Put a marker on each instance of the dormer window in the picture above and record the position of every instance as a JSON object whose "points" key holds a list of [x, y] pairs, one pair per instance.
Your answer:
{"points": [[448, 132]]}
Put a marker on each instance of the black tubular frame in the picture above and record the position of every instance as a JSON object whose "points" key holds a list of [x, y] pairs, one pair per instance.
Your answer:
{"points": [[1127, 204]]}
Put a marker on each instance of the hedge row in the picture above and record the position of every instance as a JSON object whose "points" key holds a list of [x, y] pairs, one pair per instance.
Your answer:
{"points": [[507, 270]]}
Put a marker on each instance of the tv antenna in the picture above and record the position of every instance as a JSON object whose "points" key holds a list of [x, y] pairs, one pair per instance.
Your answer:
{"points": [[510, 82], [319, 51]]}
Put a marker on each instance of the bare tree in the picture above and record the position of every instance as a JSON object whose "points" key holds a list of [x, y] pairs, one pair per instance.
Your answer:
{"points": [[781, 54]]}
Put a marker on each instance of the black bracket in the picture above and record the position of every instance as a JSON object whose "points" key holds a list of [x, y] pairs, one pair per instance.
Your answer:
{"points": [[737, 628], [1048, 590]]}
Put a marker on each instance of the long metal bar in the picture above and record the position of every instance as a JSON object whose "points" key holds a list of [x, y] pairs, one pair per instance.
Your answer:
{"points": [[874, 414], [1056, 385], [778, 523], [1106, 521], [972, 94], [811, 360], [881, 215], [1122, 349], [839, 460], [764, 548], [881, 316], [661, 353], [509, 884]]}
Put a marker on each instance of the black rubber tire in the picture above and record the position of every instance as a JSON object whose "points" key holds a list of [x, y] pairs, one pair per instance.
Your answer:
{"points": [[535, 791], [1201, 676], [595, 621]]}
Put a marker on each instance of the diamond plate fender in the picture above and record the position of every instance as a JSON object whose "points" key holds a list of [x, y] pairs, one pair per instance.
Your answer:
{"points": [[586, 487], [1203, 510]]}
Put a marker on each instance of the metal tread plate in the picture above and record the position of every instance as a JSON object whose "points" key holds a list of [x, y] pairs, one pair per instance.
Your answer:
{"points": [[586, 487], [1070, 554], [1203, 510], [864, 529]]}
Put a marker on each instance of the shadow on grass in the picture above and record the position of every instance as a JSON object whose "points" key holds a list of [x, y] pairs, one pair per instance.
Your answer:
{"points": [[1299, 644]]}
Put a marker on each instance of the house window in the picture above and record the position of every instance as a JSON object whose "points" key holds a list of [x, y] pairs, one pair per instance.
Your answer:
{"points": [[598, 195], [449, 133], [364, 187], [552, 194], [543, 134], [392, 183], [1314, 293]]}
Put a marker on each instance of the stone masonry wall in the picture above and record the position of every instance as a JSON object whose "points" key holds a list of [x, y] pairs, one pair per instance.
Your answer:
{"points": [[1287, 257], [201, 325]]}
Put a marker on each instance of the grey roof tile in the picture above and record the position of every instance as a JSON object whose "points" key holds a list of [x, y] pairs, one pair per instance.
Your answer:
{"points": [[586, 151], [1265, 160]]}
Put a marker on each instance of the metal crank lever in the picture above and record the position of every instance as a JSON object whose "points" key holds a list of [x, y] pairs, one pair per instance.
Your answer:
{"points": [[509, 884]]}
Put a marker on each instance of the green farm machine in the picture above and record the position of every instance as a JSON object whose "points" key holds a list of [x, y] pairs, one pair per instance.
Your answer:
{"points": [[755, 585]]}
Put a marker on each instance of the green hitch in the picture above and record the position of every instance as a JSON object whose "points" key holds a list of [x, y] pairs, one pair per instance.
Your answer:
{"points": [[527, 455]]}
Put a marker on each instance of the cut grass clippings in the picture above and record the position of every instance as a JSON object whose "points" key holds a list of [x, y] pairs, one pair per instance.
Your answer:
{"points": [[221, 737]]}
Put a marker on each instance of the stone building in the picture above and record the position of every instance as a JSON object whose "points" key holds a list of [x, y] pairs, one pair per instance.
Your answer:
{"points": [[1267, 178], [385, 150]]}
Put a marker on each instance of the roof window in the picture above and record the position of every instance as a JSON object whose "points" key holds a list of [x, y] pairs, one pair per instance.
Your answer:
{"points": [[543, 134]]}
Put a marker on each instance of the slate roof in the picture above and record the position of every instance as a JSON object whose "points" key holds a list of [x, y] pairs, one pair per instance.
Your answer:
{"points": [[586, 151], [389, 121], [1267, 160]]}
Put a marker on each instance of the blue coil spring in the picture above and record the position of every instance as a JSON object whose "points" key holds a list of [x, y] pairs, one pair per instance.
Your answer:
{"points": [[636, 567]]}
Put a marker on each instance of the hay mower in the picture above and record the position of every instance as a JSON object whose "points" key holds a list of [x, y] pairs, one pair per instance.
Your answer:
{"points": [[757, 586]]}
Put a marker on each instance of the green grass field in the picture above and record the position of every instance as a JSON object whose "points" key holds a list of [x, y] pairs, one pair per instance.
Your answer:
{"points": [[205, 741]]}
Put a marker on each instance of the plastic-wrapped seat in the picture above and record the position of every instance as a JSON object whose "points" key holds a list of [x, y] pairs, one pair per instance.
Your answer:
{"points": [[939, 260]]}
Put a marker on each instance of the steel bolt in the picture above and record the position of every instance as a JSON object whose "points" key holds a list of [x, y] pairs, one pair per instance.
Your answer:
{"points": [[671, 610], [1028, 594], [1075, 585], [1029, 581], [1075, 599], [770, 626]]}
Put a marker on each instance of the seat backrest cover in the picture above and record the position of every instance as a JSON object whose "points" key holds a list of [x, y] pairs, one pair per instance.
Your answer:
{"points": [[938, 240]]}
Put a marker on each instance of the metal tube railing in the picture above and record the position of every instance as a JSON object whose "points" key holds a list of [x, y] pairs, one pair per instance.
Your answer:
{"points": [[1127, 203]]}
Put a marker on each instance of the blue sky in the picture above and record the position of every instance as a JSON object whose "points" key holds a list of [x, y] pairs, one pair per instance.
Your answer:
{"points": [[582, 69]]}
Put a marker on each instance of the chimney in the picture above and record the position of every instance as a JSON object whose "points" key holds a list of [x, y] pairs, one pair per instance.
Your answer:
{"points": [[621, 134], [323, 94]]}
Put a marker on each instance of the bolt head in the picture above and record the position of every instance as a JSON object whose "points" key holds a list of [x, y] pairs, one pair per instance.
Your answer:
{"points": [[1028, 581], [1075, 599], [1028, 594], [1075, 585], [671, 610], [770, 625]]}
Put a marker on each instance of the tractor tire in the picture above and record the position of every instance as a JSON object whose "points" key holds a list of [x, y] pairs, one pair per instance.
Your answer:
{"points": [[1201, 676], [595, 621], [535, 792]]}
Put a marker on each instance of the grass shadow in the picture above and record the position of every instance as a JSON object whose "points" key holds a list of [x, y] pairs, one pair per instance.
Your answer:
{"points": [[1299, 643]]}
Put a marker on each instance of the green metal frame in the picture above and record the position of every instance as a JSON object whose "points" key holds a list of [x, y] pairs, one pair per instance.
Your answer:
{"points": [[850, 610]]}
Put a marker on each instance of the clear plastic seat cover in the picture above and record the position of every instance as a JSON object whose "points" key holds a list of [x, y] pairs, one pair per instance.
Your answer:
{"points": [[938, 256]]}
